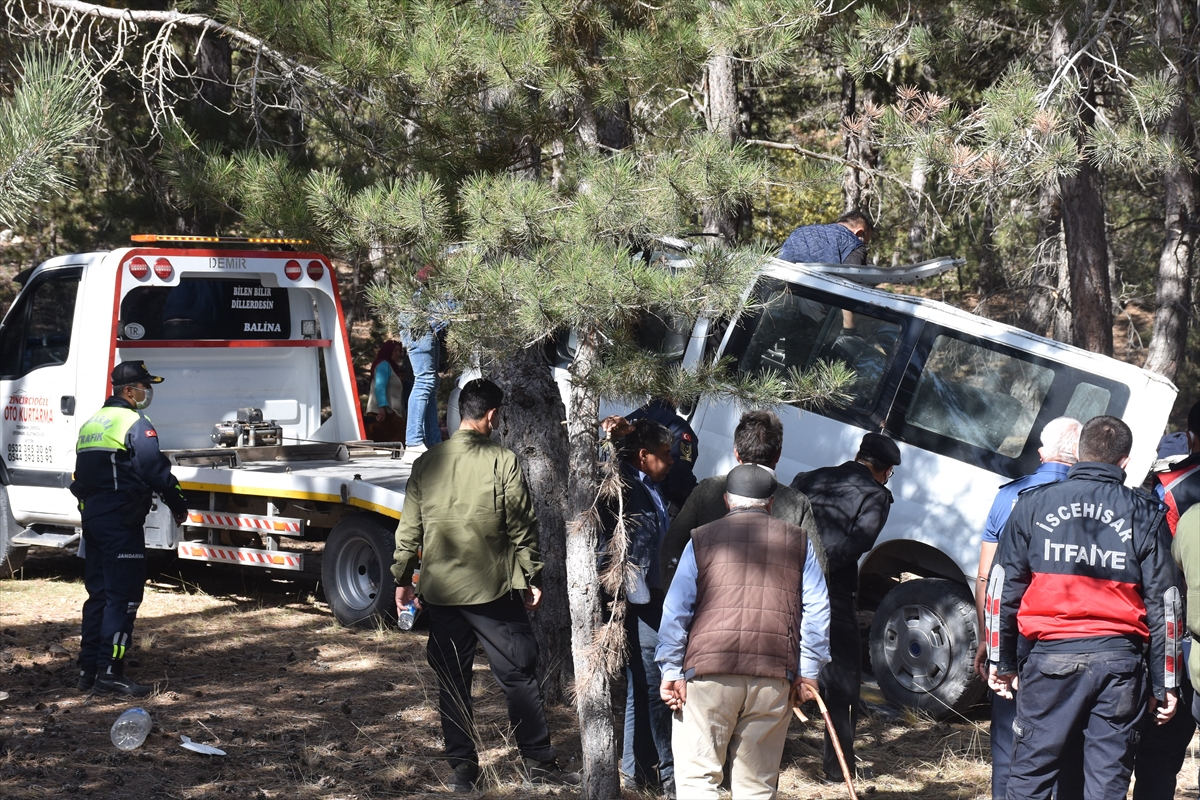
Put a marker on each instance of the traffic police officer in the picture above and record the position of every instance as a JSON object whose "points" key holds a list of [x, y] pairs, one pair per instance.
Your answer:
{"points": [[118, 467], [1084, 568]]}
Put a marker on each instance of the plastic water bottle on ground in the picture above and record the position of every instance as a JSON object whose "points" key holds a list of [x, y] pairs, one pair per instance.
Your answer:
{"points": [[131, 729]]}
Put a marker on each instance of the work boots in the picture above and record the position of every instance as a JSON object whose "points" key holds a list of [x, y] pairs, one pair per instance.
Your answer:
{"points": [[87, 678], [549, 773], [112, 679]]}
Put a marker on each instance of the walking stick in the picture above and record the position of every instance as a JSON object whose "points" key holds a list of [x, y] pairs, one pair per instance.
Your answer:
{"points": [[833, 737]]}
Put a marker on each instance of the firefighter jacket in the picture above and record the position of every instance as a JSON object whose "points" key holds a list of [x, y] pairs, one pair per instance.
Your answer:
{"points": [[1084, 565], [118, 464], [1181, 488]]}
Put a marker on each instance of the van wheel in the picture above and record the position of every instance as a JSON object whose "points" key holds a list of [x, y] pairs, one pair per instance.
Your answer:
{"points": [[13, 562], [923, 643], [356, 571]]}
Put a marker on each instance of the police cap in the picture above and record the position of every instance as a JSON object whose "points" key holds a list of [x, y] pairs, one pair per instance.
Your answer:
{"points": [[881, 449], [751, 480], [128, 372]]}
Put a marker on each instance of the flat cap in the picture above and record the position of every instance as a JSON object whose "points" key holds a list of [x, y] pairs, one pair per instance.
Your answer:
{"points": [[751, 480], [880, 448]]}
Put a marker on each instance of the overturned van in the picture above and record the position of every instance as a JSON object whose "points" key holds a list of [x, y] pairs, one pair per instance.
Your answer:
{"points": [[964, 397]]}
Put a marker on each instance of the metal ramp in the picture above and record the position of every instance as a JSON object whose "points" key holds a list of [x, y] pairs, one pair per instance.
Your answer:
{"points": [[60, 540]]}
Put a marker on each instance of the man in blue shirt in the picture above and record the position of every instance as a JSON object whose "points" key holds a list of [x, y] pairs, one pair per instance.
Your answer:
{"points": [[745, 624], [1060, 441], [842, 242]]}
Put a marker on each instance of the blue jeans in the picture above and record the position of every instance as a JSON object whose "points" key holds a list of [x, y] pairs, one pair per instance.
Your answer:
{"points": [[423, 425], [646, 756]]}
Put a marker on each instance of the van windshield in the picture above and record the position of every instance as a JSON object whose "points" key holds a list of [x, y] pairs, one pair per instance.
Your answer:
{"points": [[206, 308], [798, 331]]}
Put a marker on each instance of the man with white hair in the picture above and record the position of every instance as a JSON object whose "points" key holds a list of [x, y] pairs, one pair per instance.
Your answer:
{"points": [[1060, 443], [745, 624]]}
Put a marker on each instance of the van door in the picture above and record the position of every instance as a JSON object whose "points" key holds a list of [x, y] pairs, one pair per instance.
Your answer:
{"points": [[37, 385]]}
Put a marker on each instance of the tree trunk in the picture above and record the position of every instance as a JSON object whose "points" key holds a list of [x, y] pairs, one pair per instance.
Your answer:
{"points": [[1046, 312], [1083, 226], [593, 702], [722, 117], [532, 425], [916, 231], [856, 179], [990, 277], [1173, 292]]}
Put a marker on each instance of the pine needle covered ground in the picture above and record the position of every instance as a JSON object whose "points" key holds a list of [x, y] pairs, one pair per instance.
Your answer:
{"points": [[305, 709]]}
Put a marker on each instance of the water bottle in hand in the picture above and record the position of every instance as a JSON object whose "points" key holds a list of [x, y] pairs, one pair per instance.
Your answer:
{"points": [[130, 729], [407, 616]]}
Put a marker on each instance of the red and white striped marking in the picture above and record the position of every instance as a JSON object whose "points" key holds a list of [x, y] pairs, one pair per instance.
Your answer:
{"points": [[245, 522], [272, 559]]}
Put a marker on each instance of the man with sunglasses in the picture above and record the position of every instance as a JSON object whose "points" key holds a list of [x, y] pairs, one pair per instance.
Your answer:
{"points": [[118, 468], [850, 504]]}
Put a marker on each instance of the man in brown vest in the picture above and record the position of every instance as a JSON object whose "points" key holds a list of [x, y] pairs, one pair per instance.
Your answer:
{"points": [[745, 622]]}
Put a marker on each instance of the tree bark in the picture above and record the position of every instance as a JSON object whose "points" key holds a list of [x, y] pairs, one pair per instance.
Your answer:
{"points": [[916, 231], [856, 179], [1083, 227], [593, 702], [990, 277], [1173, 290], [532, 424], [1046, 311], [723, 118]]}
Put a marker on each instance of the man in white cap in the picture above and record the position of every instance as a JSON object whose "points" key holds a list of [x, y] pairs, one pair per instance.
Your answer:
{"points": [[745, 624]]}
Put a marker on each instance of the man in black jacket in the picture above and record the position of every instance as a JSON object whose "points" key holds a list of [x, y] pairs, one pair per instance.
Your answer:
{"points": [[646, 460], [1084, 568], [851, 505], [758, 439]]}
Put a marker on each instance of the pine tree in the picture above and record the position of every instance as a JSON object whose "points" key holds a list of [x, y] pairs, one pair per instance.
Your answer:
{"points": [[42, 125]]}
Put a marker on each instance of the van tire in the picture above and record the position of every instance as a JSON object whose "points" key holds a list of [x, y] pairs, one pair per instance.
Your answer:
{"points": [[923, 643], [356, 571]]}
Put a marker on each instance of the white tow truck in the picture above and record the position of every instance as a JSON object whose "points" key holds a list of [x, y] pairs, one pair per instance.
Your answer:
{"points": [[259, 411]]}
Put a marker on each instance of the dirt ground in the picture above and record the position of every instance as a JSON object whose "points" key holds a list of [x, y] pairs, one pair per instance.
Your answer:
{"points": [[254, 664]]}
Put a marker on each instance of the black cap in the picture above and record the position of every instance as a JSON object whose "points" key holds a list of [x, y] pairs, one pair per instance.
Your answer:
{"points": [[128, 372], [880, 448], [751, 480]]}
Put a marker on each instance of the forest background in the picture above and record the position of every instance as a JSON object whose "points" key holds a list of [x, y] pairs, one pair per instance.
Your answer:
{"points": [[1050, 144]]}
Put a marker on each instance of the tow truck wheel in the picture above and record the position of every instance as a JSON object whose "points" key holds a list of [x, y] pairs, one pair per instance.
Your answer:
{"points": [[923, 643], [356, 571]]}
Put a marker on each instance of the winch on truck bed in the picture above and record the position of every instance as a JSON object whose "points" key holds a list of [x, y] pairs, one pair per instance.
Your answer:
{"points": [[248, 430]]}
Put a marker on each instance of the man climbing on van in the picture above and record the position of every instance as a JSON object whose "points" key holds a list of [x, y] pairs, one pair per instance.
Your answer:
{"points": [[841, 242]]}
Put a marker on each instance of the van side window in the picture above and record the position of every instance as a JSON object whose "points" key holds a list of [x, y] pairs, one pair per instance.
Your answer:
{"points": [[1087, 401], [37, 329], [979, 396], [797, 331]]}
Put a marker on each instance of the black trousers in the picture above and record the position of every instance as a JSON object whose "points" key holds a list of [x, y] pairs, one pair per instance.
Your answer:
{"points": [[841, 679], [1063, 695], [502, 627], [1163, 748], [114, 574]]}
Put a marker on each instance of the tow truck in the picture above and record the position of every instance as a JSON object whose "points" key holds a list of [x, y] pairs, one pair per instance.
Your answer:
{"points": [[258, 412]]}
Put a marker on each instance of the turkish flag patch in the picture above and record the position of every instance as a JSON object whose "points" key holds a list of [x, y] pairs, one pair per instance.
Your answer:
{"points": [[152, 433], [687, 437]]}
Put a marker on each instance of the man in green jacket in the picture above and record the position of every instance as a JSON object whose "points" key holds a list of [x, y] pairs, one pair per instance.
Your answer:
{"points": [[1186, 550], [468, 513]]}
